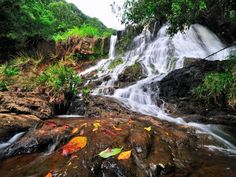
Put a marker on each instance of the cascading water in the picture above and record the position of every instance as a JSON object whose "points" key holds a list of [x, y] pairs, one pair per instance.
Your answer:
{"points": [[158, 57]]}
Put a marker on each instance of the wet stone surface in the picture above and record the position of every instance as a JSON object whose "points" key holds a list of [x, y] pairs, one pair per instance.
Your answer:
{"points": [[165, 150]]}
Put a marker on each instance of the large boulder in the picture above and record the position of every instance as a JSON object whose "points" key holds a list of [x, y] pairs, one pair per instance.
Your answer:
{"points": [[176, 90], [12, 123], [25, 103], [20, 111], [130, 75]]}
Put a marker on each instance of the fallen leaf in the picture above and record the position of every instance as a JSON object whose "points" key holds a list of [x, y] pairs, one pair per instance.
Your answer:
{"points": [[124, 155], [49, 174], [74, 145], [84, 125], [75, 130], [148, 128], [73, 156], [66, 126], [81, 132], [51, 123], [96, 125], [110, 152], [109, 132], [117, 129]]}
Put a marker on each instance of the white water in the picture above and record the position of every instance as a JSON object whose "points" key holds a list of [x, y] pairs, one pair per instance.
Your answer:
{"points": [[12, 140], [158, 57]]}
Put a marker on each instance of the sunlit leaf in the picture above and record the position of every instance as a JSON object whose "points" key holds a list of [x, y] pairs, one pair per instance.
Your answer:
{"points": [[75, 130], [148, 128], [117, 129], [110, 152], [74, 145], [84, 125], [49, 174], [124, 155], [96, 125]]}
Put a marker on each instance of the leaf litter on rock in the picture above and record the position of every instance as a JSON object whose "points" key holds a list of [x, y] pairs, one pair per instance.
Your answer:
{"points": [[109, 152]]}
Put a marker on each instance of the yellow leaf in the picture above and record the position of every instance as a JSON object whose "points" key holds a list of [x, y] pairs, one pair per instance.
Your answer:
{"points": [[148, 128], [124, 155], [117, 129], [95, 129], [75, 130], [74, 145], [49, 174], [84, 125], [96, 125]]}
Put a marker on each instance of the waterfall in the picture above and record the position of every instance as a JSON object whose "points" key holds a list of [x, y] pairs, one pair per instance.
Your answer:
{"points": [[158, 57], [112, 47], [12, 140]]}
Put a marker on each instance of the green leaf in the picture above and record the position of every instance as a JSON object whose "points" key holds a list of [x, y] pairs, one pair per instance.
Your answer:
{"points": [[110, 152]]}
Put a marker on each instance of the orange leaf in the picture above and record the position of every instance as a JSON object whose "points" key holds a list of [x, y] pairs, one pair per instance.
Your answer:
{"points": [[75, 130], [74, 145], [117, 129], [124, 155], [49, 174]]}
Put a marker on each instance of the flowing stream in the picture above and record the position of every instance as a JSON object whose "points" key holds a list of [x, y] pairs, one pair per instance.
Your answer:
{"points": [[158, 57]]}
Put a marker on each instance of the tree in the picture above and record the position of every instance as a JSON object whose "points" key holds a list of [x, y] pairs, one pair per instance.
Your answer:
{"points": [[177, 13]]}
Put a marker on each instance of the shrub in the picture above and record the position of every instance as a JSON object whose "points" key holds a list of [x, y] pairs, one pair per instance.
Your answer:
{"points": [[217, 87], [61, 80]]}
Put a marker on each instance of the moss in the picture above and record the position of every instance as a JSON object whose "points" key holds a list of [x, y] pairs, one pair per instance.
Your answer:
{"points": [[115, 63]]}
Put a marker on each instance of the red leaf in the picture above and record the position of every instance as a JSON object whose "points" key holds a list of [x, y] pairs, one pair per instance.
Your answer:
{"points": [[109, 132], [51, 123]]}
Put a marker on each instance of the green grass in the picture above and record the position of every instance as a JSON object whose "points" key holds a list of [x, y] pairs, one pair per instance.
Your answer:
{"points": [[217, 88], [115, 62], [84, 31], [11, 71], [60, 79]]}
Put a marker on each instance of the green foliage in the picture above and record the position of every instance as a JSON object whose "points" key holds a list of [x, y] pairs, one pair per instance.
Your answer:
{"points": [[11, 71], [115, 62], [84, 31], [60, 79], [217, 87], [86, 91], [177, 13], [3, 86], [25, 19]]}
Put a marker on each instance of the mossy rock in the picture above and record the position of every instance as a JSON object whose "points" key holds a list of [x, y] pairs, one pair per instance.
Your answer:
{"points": [[130, 75], [115, 63]]}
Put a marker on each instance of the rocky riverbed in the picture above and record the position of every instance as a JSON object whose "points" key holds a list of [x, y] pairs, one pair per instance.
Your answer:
{"points": [[158, 148]]}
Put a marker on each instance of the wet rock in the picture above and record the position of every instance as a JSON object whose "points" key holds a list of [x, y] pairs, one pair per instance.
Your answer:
{"points": [[12, 123], [176, 91], [130, 75], [97, 105], [167, 150], [77, 107], [38, 139], [25, 103]]}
